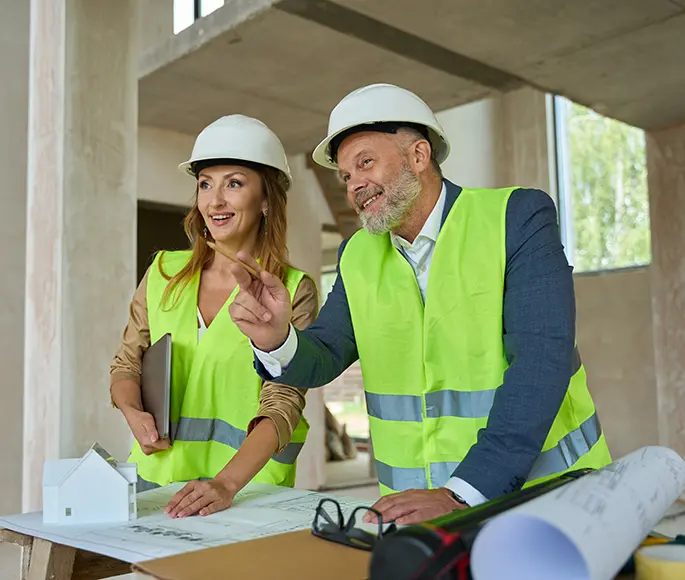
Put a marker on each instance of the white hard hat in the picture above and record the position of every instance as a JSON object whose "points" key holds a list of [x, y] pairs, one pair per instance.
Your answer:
{"points": [[243, 139], [381, 103]]}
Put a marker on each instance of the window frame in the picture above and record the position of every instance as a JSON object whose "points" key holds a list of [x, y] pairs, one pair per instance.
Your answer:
{"points": [[561, 182]]}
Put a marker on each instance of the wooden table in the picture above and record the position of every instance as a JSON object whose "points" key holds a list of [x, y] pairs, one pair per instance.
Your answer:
{"points": [[45, 560]]}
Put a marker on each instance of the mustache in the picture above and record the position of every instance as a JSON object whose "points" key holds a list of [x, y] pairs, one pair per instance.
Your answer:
{"points": [[365, 194]]}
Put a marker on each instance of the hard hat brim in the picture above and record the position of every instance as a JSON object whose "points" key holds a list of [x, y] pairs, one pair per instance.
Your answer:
{"points": [[187, 167], [321, 154]]}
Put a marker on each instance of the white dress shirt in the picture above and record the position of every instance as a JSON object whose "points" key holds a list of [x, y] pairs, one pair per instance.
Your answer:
{"points": [[419, 254]]}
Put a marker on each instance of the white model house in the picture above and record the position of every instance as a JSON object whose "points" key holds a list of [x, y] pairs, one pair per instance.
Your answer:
{"points": [[92, 489]]}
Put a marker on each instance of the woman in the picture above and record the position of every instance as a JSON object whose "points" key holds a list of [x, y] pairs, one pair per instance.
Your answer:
{"points": [[227, 428]]}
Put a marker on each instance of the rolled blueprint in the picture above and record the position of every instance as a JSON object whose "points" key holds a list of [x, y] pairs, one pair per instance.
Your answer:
{"points": [[585, 530]]}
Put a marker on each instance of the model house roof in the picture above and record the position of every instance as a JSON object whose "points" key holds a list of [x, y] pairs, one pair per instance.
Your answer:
{"points": [[58, 471]]}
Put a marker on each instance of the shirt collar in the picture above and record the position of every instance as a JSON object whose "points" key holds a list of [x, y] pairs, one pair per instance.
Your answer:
{"points": [[431, 228]]}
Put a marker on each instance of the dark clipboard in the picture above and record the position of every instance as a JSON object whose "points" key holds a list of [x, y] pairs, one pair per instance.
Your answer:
{"points": [[156, 383]]}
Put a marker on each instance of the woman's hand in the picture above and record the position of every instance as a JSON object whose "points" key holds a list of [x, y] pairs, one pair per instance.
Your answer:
{"points": [[203, 497], [142, 426]]}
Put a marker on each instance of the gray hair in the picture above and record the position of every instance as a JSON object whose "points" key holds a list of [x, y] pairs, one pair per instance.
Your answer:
{"points": [[410, 135]]}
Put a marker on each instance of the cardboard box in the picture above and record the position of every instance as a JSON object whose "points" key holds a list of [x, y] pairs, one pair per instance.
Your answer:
{"points": [[293, 556]]}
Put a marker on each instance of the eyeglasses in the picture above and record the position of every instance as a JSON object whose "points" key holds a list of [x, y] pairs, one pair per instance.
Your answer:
{"points": [[330, 525]]}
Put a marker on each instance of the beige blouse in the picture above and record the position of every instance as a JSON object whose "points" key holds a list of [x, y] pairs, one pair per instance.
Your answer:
{"points": [[282, 404]]}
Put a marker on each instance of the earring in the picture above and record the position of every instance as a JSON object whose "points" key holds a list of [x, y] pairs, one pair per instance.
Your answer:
{"points": [[205, 232]]}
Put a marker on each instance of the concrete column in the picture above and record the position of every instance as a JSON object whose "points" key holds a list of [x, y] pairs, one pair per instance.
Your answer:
{"points": [[155, 23], [666, 180], [525, 130], [304, 244], [80, 255]]}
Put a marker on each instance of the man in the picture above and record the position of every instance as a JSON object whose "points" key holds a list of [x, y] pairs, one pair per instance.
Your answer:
{"points": [[459, 305]]}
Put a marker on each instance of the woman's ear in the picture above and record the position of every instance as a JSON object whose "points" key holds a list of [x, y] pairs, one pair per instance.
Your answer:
{"points": [[265, 208]]}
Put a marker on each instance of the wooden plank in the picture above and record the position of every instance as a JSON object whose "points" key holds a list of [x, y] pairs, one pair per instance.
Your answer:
{"points": [[51, 561], [26, 560], [91, 566], [15, 538]]}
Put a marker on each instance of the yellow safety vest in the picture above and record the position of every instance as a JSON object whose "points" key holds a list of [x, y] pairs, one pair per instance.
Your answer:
{"points": [[214, 388], [431, 372]]}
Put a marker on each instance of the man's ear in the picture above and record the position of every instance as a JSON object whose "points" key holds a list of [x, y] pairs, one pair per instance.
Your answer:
{"points": [[420, 155]]}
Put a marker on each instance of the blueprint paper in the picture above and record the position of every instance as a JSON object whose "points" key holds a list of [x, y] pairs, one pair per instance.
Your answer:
{"points": [[259, 510], [585, 530]]}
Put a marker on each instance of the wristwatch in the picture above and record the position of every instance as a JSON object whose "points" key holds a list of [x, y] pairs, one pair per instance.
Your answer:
{"points": [[456, 497]]}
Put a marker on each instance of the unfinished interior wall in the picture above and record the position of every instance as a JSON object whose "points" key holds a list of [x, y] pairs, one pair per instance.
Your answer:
{"points": [[304, 243], [614, 333], [524, 148], [159, 154], [155, 24], [473, 134], [14, 70], [666, 179]]}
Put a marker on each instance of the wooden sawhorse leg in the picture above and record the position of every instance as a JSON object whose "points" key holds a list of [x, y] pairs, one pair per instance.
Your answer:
{"points": [[45, 560]]}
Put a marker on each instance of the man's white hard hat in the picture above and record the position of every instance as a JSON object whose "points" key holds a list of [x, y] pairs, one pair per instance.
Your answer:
{"points": [[240, 138], [375, 105]]}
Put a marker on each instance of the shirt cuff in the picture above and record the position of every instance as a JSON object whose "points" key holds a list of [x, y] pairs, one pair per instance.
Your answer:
{"points": [[466, 491], [276, 362]]}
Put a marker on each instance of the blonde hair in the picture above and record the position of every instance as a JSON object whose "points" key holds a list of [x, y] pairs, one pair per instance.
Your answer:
{"points": [[271, 250]]}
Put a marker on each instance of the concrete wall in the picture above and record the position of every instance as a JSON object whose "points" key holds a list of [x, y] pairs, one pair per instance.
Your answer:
{"points": [[473, 133], [14, 59], [614, 322], [156, 23], [159, 154]]}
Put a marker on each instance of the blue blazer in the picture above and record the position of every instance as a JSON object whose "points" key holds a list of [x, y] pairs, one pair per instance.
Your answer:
{"points": [[538, 336]]}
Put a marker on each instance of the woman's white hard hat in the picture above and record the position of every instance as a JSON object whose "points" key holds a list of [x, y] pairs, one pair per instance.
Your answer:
{"points": [[243, 139], [376, 104]]}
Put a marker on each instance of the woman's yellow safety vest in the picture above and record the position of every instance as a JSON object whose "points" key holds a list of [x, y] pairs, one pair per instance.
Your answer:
{"points": [[431, 372], [214, 388]]}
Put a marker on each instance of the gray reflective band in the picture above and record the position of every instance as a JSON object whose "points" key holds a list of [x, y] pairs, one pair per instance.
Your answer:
{"points": [[401, 478], [577, 363], [209, 430], [441, 472], [188, 429], [570, 449], [144, 485], [289, 454], [394, 407], [471, 404]]}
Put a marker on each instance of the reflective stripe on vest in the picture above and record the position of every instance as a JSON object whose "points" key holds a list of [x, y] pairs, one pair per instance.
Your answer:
{"points": [[445, 403], [189, 429], [569, 449], [559, 458]]}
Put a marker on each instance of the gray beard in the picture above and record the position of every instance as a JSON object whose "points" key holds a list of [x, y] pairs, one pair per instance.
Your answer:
{"points": [[400, 197]]}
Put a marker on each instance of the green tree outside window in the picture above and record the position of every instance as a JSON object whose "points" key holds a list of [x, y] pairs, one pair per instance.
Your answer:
{"points": [[605, 181]]}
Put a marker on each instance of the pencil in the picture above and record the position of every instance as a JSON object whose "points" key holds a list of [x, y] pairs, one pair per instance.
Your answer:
{"points": [[228, 255]]}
